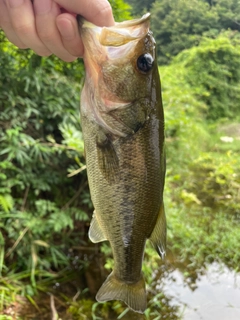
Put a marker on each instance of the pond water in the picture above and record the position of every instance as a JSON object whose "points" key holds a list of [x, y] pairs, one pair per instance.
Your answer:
{"points": [[215, 294]]}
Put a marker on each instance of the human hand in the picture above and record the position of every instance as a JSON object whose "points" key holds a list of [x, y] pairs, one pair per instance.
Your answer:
{"points": [[50, 26]]}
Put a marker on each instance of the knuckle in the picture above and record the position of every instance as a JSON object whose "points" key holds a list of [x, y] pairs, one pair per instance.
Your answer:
{"points": [[106, 9], [102, 11], [23, 29], [46, 36], [5, 24]]}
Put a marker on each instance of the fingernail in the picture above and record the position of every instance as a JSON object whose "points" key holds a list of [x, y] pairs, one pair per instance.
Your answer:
{"points": [[15, 3], [42, 6], [66, 29]]}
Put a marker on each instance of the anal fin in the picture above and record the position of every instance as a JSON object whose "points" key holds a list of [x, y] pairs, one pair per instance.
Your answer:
{"points": [[159, 234], [95, 232]]}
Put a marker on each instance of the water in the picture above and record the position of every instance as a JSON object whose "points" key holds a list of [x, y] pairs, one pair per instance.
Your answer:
{"points": [[215, 294]]}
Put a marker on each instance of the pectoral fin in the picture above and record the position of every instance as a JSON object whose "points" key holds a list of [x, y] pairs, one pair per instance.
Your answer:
{"points": [[158, 236], [95, 232], [107, 159]]}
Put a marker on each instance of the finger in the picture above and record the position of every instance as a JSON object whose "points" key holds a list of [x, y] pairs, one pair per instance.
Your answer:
{"points": [[23, 21], [68, 28], [6, 25], [98, 12], [46, 12]]}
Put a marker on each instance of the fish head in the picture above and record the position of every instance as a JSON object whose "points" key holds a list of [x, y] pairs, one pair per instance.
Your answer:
{"points": [[120, 62]]}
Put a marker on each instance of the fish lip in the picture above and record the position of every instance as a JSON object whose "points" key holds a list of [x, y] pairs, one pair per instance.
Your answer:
{"points": [[124, 32], [133, 22], [128, 23]]}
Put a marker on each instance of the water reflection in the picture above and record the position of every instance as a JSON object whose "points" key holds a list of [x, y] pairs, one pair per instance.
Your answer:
{"points": [[216, 294]]}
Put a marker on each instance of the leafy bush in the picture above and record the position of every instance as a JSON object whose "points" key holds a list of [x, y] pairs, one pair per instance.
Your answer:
{"points": [[121, 10], [199, 237], [213, 71], [40, 145], [181, 24], [185, 130], [139, 6], [215, 180], [203, 177]]}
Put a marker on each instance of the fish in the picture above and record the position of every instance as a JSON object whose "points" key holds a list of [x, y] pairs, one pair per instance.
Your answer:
{"points": [[122, 122]]}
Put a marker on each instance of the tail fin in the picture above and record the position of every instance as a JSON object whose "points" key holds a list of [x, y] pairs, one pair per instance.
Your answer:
{"points": [[134, 295]]}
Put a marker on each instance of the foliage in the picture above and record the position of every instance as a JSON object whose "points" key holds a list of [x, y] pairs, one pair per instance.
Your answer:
{"points": [[27, 59], [210, 78], [121, 10], [211, 182], [228, 12], [215, 180], [212, 69], [203, 176], [203, 237], [139, 6], [202, 167], [183, 118], [180, 24], [40, 144], [37, 111], [88, 309]]}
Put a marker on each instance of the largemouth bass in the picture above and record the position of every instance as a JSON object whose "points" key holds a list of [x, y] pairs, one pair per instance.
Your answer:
{"points": [[123, 130]]}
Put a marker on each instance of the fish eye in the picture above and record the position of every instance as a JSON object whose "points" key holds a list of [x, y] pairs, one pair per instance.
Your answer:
{"points": [[145, 63]]}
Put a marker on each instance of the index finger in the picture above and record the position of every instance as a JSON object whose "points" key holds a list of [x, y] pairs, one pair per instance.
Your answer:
{"points": [[98, 12]]}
